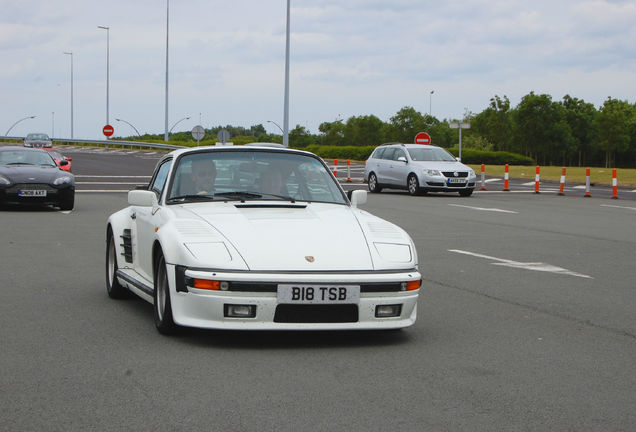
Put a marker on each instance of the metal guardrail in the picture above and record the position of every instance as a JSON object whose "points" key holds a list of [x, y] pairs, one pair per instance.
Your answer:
{"points": [[105, 143]]}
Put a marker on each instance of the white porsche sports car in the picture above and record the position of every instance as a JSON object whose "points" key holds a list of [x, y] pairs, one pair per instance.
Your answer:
{"points": [[259, 237]]}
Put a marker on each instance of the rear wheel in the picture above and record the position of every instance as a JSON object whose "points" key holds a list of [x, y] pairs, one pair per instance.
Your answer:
{"points": [[113, 287], [413, 185], [162, 305], [373, 184]]}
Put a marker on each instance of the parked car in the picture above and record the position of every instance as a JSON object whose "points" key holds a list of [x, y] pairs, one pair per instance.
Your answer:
{"points": [[218, 240], [59, 157], [37, 140], [417, 168], [31, 176]]}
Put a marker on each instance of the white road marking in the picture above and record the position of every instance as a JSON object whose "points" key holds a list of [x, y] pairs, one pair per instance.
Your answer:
{"points": [[578, 187], [98, 183], [615, 206], [101, 190], [536, 266], [110, 176], [490, 180], [65, 211], [528, 184], [484, 209]]}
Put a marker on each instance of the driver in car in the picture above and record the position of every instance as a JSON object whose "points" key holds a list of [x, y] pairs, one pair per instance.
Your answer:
{"points": [[203, 176]]}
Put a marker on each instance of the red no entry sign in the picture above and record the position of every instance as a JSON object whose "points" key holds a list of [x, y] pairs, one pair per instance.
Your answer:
{"points": [[422, 138], [108, 130]]}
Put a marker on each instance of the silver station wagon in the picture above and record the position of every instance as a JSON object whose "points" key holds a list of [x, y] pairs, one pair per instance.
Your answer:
{"points": [[419, 169]]}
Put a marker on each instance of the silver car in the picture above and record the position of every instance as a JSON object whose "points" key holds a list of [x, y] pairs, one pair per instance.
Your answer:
{"points": [[37, 140], [419, 169]]}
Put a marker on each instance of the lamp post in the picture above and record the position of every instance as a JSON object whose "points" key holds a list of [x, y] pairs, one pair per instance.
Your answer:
{"points": [[52, 124], [166, 134], [286, 108], [277, 125], [107, 69], [22, 119], [71, 54], [430, 103], [122, 120], [170, 131]]}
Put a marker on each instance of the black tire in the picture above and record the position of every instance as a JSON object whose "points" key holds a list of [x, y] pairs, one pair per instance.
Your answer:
{"points": [[113, 287], [68, 203], [162, 305], [413, 185], [374, 187], [466, 192]]}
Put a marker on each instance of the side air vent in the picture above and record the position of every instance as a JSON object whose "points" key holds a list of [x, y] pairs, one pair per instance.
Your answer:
{"points": [[127, 245]]}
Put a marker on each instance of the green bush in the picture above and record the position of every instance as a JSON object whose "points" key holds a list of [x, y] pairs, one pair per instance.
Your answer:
{"points": [[470, 156]]}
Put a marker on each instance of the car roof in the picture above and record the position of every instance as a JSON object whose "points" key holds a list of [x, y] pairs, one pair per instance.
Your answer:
{"points": [[409, 145], [14, 148], [246, 147]]}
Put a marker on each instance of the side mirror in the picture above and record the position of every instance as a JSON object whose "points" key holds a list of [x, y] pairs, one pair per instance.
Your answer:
{"points": [[63, 162], [402, 159], [142, 198], [358, 197], [458, 159], [69, 159]]}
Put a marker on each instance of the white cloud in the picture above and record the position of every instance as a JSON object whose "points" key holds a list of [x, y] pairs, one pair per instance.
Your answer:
{"points": [[347, 58]]}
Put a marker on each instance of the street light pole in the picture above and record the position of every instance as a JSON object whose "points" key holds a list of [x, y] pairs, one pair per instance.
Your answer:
{"points": [[52, 124], [71, 54], [185, 118], [166, 134], [107, 70], [286, 109], [277, 125], [22, 119], [122, 120], [430, 103]]}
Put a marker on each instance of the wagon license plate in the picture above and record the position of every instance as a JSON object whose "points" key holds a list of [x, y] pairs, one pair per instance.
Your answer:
{"points": [[32, 193], [318, 294], [456, 180]]}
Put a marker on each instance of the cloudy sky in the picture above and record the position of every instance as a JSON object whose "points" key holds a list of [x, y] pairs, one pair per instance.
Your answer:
{"points": [[348, 58]]}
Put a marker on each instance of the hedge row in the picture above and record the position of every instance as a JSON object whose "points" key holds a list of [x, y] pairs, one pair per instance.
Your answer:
{"points": [[469, 156]]}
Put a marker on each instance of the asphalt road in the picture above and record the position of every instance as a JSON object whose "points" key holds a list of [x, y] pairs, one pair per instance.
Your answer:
{"points": [[526, 323]]}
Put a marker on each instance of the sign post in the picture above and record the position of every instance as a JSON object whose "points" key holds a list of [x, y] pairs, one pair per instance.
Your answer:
{"points": [[197, 133], [422, 138], [108, 130], [460, 126]]}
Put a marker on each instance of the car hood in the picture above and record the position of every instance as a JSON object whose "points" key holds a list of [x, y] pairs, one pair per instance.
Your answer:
{"points": [[442, 166], [30, 173], [299, 237]]}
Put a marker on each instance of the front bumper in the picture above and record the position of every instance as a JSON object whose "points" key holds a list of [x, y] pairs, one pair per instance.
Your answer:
{"points": [[54, 194], [442, 184], [206, 309]]}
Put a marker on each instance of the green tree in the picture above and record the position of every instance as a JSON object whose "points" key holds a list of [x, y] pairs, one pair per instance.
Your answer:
{"points": [[332, 133], [495, 124], [541, 128], [581, 117], [407, 123], [614, 121], [299, 137], [364, 130]]}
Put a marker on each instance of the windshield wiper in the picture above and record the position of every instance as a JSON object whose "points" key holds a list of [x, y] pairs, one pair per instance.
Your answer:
{"points": [[239, 195], [19, 163], [191, 197], [284, 197]]}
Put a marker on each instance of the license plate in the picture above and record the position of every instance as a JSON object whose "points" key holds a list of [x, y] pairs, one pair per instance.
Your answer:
{"points": [[456, 180], [32, 193], [318, 294]]}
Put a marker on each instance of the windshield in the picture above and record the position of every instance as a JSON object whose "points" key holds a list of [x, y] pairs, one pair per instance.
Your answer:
{"points": [[37, 136], [430, 154], [25, 157], [251, 176]]}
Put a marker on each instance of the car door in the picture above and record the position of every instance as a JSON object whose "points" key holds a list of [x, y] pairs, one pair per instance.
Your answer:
{"points": [[145, 224], [383, 173], [396, 171]]}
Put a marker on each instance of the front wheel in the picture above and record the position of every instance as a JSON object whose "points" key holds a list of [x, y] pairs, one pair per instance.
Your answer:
{"points": [[413, 185], [162, 306], [68, 203], [373, 184]]}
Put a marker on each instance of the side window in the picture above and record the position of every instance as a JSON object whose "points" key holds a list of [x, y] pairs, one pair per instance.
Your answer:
{"points": [[377, 154], [160, 178], [388, 153], [398, 153]]}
